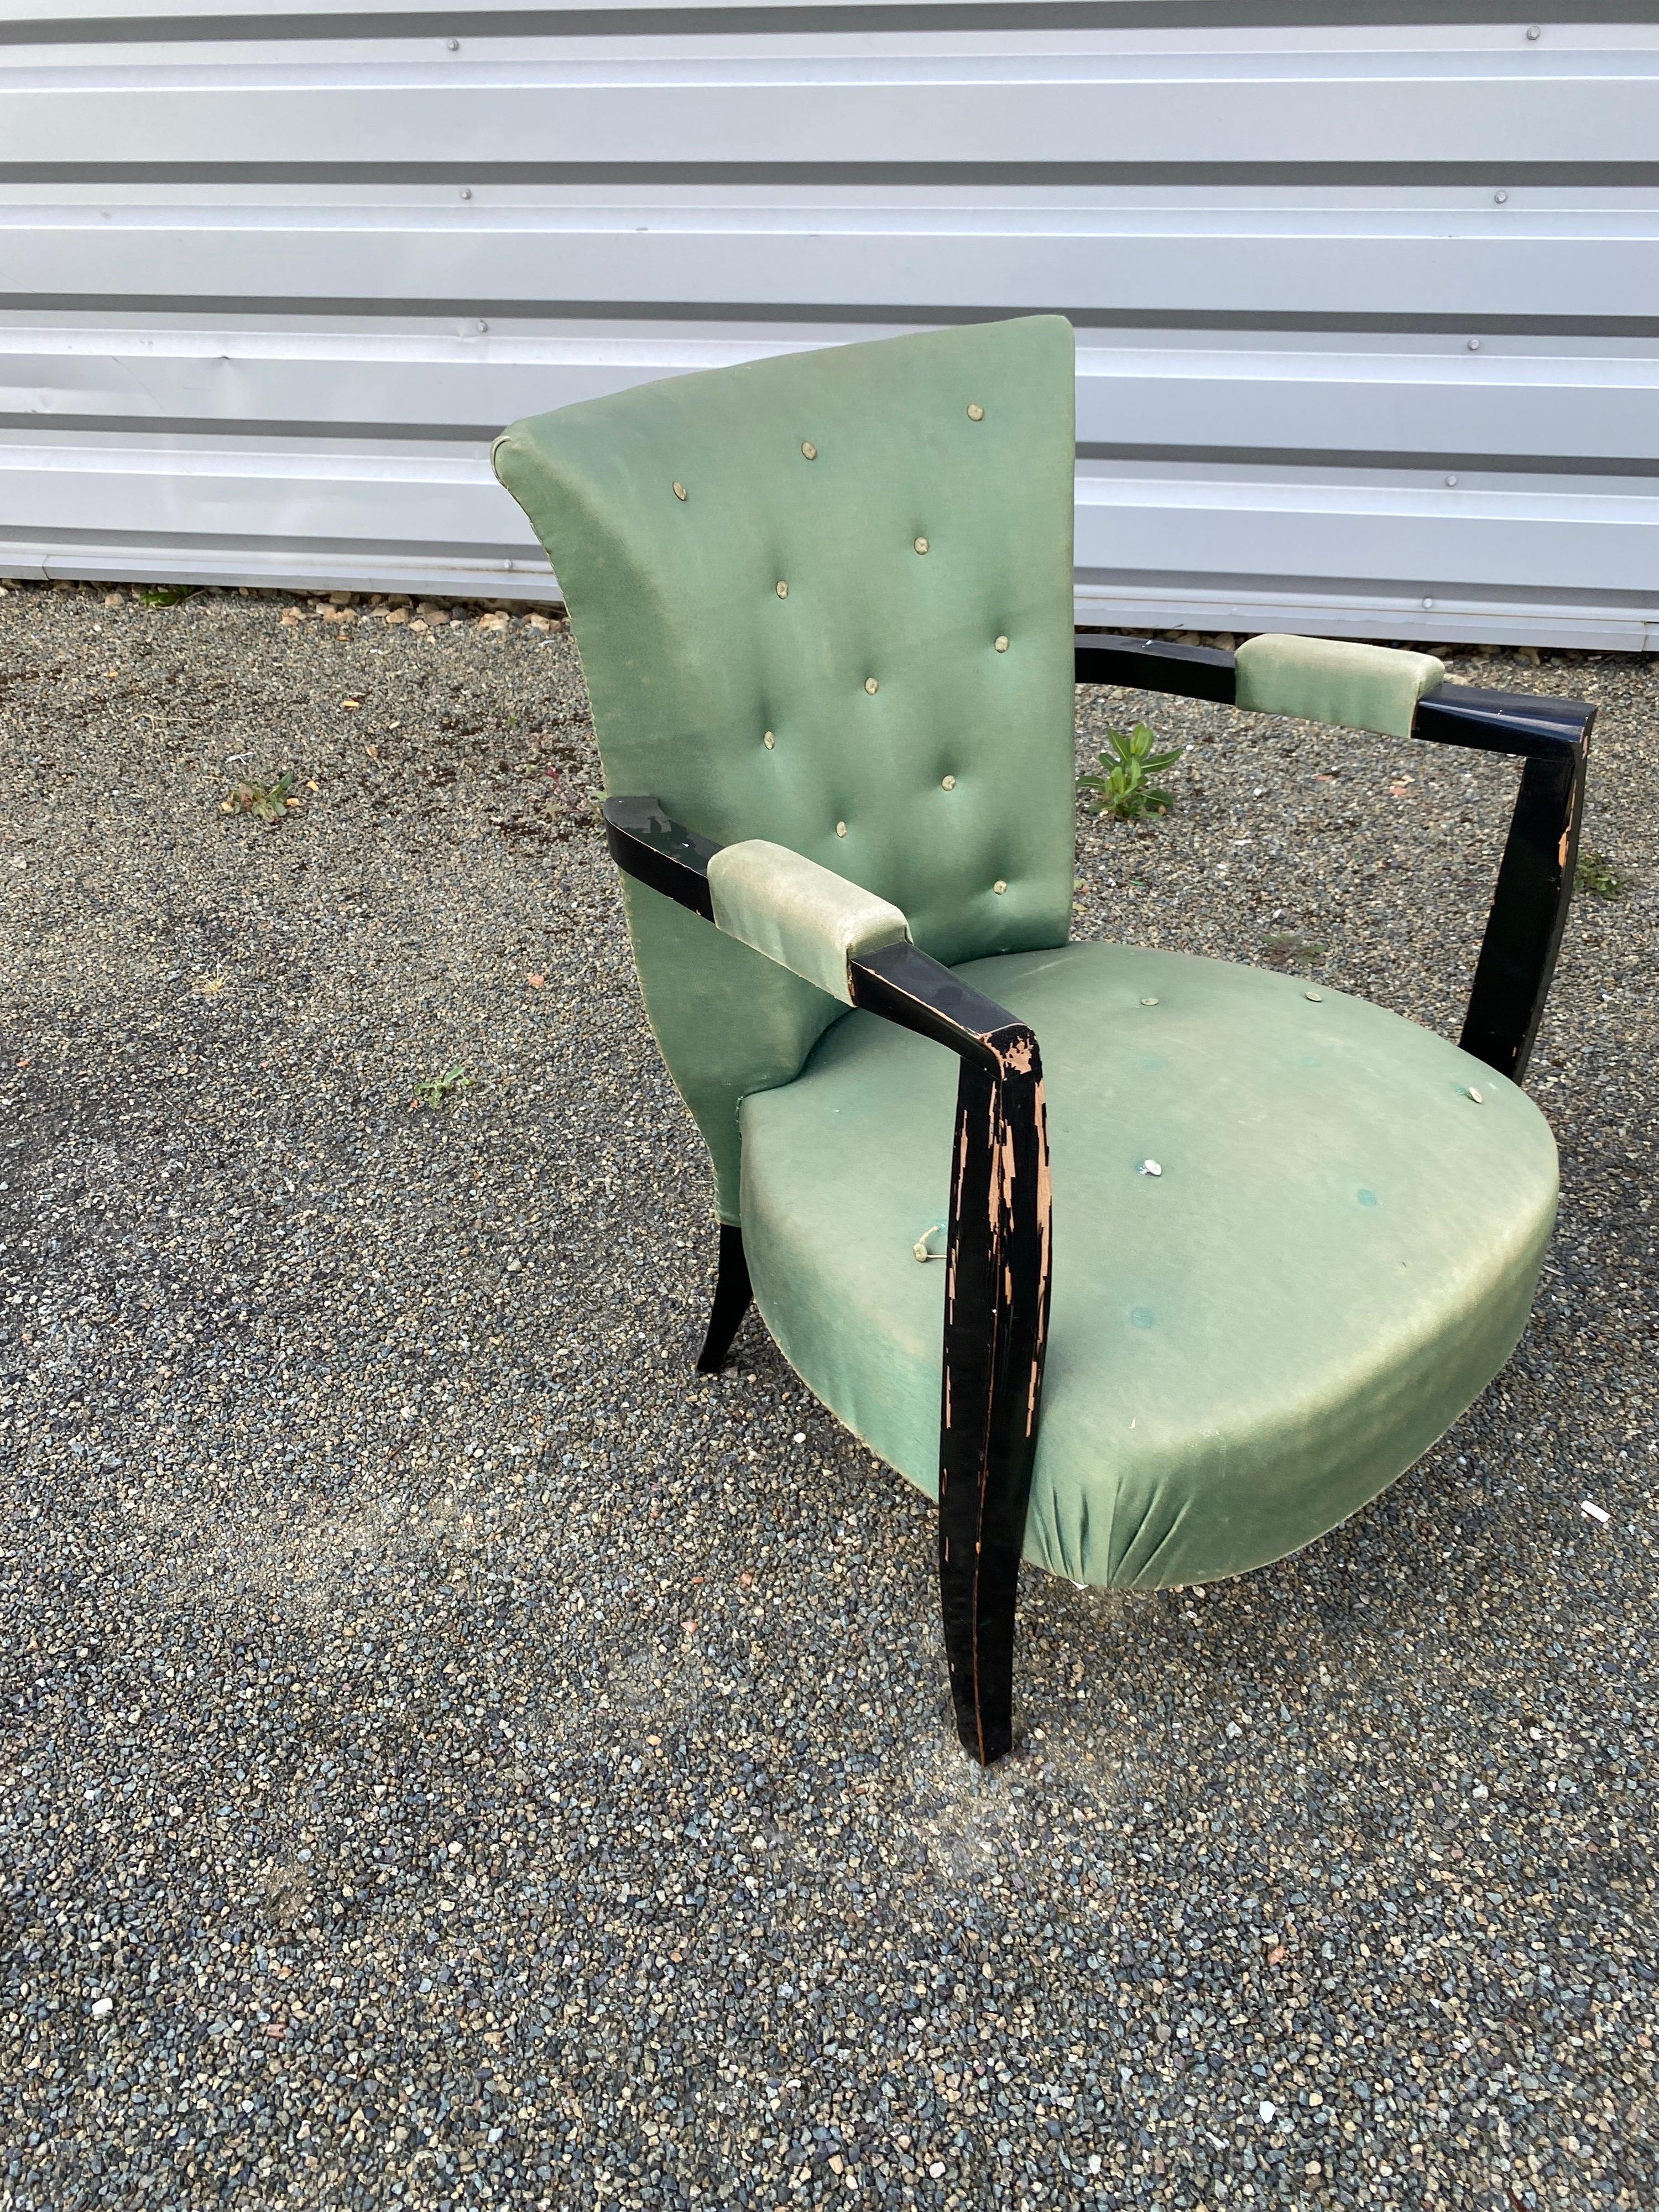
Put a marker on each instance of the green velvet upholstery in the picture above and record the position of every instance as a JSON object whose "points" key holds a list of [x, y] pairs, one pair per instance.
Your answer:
{"points": [[1333, 680], [851, 635], [806, 918], [1339, 1253]]}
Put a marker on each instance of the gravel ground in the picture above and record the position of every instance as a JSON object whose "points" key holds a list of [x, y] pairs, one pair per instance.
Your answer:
{"points": [[455, 1756]]}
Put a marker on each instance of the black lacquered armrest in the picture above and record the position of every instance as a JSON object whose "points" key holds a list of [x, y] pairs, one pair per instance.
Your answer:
{"points": [[1551, 737], [900, 983]]}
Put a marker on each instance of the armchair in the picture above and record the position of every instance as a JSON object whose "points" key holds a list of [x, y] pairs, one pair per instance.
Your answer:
{"points": [[1285, 1238]]}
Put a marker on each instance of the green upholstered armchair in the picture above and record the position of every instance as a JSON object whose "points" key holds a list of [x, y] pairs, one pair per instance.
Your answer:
{"points": [[1263, 1244]]}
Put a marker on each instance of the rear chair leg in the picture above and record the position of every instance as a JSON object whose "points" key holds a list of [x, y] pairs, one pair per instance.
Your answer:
{"points": [[731, 1296]]}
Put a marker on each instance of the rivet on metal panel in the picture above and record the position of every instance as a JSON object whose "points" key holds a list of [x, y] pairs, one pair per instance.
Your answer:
{"points": [[1500, 199], [1474, 346], [453, 45], [1451, 480], [1534, 31], [1428, 603], [810, 450], [871, 685], [466, 192], [679, 491], [482, 326]]}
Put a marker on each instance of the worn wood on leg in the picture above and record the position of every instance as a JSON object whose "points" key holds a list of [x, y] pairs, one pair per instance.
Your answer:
{"points": [[996, 1322]]}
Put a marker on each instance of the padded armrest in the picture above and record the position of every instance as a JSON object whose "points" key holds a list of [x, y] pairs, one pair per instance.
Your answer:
{"points": [[806, 918], [1327, 679]]}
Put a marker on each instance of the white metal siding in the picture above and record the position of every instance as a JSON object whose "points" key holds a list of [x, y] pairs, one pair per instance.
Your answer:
{"points": [[1367, 311]]}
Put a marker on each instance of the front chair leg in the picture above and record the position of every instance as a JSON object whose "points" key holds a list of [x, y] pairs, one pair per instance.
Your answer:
{"points": [[731, 1296], [996, 1319]]}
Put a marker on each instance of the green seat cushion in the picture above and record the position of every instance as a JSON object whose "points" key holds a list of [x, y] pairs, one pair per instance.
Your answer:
{"points": [[1339, 1253]]}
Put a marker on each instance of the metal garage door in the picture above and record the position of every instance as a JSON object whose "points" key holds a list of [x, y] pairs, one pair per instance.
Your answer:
{"points": [[1367, 308]]}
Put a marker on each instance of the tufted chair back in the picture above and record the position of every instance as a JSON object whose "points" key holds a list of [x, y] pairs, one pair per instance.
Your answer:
{"points": [[826, 599]]}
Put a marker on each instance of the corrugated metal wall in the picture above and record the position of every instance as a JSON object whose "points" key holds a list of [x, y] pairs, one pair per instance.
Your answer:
{"points": [[1366, 296]]}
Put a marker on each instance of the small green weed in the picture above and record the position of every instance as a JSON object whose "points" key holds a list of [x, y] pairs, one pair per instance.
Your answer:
{"points": [[1125, 790], [1289, 951], [1596, 874], [169, 595], [435, 1091], [266, 802]]}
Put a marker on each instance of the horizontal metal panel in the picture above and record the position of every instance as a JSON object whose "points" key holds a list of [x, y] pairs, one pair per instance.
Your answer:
{"points": [[1508, 551], [1479, 265], [1585, 108], [1492, 411], [1426, 21]]}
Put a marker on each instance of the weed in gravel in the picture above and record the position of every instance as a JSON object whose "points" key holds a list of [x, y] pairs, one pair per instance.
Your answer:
{"points": [[168, 595], [266, 802], [435, 1091], [1596, 874], [1129, 762], [1289, 951]]}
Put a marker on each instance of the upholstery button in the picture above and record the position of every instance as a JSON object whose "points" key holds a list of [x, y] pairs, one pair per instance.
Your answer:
{"points": [[783, 591], [840, 828], [1477, 1096], [921, 545], [679, 491], [871, 685], [999, 887], [1002, 644], [1149, 1002], [949, 783], [810, 451], [976, 412], [770, 740], [1316, 996]]}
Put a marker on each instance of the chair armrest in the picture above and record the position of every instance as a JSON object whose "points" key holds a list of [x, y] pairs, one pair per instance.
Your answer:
{"points": [[894, 978], [806, 918], [1335, 681], [1533, 890]]}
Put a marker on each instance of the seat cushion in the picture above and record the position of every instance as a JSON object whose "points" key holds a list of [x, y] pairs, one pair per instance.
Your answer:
{"points": [[1339, 1253]]}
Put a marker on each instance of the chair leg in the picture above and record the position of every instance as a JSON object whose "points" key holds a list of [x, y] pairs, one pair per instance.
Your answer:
{"points": [[731, 1296], [996, 1316]]}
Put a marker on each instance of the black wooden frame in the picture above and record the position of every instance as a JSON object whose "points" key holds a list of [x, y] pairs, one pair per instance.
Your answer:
{"points": [[1535, 877], [999, 1241], [996, 1275]]}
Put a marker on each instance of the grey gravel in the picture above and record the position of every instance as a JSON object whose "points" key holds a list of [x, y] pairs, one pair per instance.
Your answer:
{"points": [[454, 1756]]}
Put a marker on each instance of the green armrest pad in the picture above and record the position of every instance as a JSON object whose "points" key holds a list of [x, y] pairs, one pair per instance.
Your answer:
{"points": [[1325, 679], [808, 919]]}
